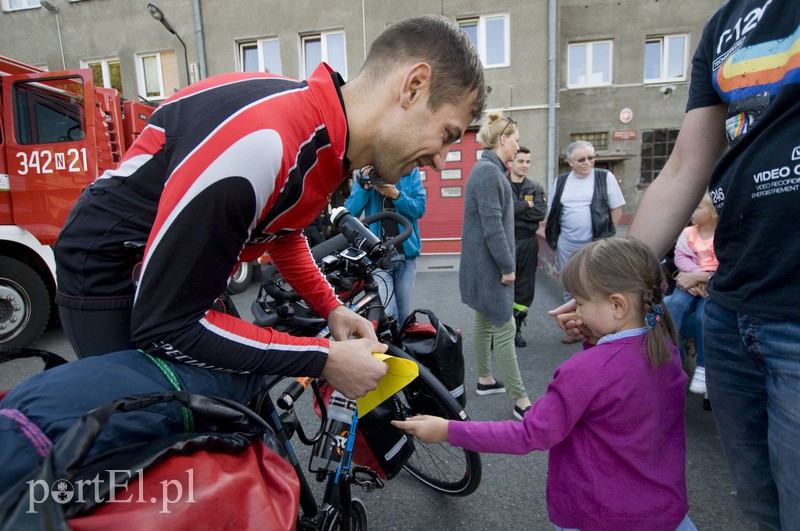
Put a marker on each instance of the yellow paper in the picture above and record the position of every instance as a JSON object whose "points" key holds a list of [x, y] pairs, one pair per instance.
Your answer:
{"points": [[399, 373]]}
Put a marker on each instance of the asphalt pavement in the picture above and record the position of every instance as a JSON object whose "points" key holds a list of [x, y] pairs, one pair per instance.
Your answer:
{"points": [[512, 492]]}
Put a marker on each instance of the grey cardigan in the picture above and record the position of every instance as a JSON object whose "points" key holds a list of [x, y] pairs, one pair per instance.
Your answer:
{"points": [[487, 240]]}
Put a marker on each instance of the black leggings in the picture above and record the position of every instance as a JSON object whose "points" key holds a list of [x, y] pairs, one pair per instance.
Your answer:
{"points": [[96, 332]]}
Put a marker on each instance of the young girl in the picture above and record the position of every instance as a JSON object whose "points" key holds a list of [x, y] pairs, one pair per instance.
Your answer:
{"points": [[612, 417], [696, 261]]}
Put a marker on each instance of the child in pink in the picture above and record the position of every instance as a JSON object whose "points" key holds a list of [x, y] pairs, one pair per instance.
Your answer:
{"points": [[612, 418], [696, 263]]}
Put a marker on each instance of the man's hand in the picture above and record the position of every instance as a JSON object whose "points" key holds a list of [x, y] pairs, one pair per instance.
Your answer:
{"points": [[426, 428], [568, 321], [508, 279], [351, 369], [344, 323], [387, 190]]}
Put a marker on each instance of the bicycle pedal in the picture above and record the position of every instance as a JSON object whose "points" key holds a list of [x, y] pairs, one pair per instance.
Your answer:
{"points": [[367, 485]]}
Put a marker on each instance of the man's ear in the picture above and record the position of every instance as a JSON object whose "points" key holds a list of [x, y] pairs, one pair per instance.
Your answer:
{"points": [[619, 305], [416, 83]]}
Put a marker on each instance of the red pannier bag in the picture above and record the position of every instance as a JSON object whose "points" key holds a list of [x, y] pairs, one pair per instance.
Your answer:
{"points": [[226, 478]]}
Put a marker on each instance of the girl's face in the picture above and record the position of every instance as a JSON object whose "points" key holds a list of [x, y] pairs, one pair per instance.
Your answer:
{"points": [[597, 315], [702, 215]]}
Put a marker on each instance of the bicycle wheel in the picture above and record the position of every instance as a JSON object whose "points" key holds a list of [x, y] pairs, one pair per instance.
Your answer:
{"points": [[444, 468], [358, 518]]}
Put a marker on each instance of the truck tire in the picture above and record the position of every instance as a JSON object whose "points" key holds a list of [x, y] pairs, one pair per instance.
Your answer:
{"points": [[24, 304], [241, 279]]}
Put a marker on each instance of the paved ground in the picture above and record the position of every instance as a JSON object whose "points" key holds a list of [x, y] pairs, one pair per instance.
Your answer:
{"points": [[512, 493]]}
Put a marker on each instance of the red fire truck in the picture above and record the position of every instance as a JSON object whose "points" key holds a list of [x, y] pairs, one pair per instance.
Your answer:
{"points": [[58, 132]]}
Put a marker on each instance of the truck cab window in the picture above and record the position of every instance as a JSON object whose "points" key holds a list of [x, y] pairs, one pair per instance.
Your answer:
{"points": [[49, 110]]}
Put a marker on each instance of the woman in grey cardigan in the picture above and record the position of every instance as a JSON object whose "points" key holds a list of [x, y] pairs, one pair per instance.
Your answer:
{"points": [[486, 274]]}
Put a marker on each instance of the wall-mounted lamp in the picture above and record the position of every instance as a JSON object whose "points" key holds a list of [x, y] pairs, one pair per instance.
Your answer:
{"points": [[55, 10], [157, 14]]}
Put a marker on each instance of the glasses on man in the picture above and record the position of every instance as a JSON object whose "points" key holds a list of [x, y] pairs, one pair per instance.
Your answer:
{"points": [[581, 160], [509, 121]]}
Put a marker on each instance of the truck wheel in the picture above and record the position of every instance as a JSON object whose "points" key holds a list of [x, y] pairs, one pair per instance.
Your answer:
{"points": [[24, 304], [241, 279]]}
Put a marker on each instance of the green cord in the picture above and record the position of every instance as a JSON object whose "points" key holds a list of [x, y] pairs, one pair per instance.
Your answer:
{"points": [[188, 418]]}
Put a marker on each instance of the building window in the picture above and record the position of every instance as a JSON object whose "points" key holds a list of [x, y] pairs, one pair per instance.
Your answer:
{"points": [[260, 56], [106, 73], [598, 139], [14, 5], [491, 37], [447, 175], [453, 156], [450, 191], [657, 146], [326, 47], [665, 58], [589, 64], [157, 75]]}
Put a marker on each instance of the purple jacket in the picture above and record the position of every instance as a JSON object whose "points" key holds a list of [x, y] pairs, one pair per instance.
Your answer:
{"points": [[615, 430]]}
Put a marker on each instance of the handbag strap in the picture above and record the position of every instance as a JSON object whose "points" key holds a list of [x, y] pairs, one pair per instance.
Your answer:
{"points": [[413, 317], [188, 419]]}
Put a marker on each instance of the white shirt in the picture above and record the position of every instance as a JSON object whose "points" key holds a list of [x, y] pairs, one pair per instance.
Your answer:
{"points": [[576, 216]]}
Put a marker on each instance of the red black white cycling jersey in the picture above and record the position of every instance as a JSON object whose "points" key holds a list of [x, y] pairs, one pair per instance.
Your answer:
{"points": [[226, 169]]}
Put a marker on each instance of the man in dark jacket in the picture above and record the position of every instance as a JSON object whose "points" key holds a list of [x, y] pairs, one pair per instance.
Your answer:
{"points": [[530, 207]]}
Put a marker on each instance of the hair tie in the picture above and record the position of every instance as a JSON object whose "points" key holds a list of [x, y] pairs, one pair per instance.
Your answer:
{"points": [[655, 316]]}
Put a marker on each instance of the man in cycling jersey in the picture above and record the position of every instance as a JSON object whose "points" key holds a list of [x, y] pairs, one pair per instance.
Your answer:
{"points": [[237, 165]]}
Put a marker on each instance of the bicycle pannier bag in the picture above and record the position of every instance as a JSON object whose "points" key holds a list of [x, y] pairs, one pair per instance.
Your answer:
{"points": [[224, 478], [438, 347], [384, 448]]}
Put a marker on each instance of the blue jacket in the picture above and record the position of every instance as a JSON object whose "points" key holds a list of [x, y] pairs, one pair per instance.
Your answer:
{"points": [[410, 204]]}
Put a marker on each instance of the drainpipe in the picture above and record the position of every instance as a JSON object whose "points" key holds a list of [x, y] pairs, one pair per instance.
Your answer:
{"points": [[552, 155], [364, 28], [201, 49]]}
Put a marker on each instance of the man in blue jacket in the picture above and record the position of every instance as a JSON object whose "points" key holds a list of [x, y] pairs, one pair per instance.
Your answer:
{"points": [[371, 195]]}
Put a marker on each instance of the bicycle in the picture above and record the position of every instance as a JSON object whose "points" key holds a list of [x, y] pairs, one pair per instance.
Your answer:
{"points": [[349, 261]]}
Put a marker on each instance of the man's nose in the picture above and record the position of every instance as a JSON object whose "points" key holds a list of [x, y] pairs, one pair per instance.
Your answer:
{"points": [[439, 158]]}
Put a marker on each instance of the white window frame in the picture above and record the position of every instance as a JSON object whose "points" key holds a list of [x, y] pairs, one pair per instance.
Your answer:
{"points": [[665, 58], [29, 4], [103, 67], [589, 62], [322, 36], [140, 80], [481, 45], [259, 44]]}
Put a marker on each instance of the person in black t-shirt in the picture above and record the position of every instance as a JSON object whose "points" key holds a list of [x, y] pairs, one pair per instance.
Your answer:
{"points": [[741, 140]]}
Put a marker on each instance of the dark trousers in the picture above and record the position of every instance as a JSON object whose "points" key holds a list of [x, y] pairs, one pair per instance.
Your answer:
{"points": [[96, 332], [527, 262]]}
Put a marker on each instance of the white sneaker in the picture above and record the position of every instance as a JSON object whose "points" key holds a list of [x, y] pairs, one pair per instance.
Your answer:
{"points": [[698, 385]]}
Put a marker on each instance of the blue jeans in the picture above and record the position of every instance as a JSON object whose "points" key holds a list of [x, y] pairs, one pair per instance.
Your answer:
{"points": [[396, 286], [753, 380], [681, 305]]}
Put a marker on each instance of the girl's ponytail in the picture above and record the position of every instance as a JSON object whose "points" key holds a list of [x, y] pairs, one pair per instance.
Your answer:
{"points": [[662, 328]]}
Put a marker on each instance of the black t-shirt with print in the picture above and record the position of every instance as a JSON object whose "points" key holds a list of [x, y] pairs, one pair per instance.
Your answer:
{"points": [[749, 60]]}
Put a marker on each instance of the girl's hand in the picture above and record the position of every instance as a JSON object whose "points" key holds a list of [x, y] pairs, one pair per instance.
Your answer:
{"points": [[687, 280], [569, 322], [508, 279], [426, 428]]}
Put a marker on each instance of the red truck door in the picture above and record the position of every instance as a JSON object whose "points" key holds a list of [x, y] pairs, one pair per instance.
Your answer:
{"points": [[49, 123]]}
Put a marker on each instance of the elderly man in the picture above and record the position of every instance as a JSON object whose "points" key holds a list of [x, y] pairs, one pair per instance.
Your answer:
{"points": [[585, 205]]}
